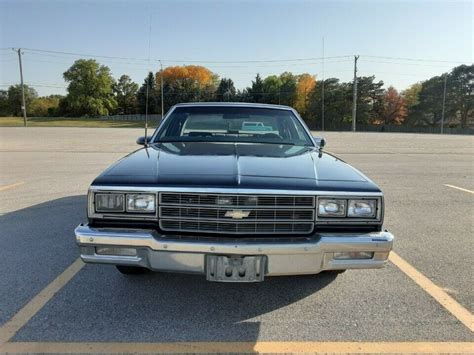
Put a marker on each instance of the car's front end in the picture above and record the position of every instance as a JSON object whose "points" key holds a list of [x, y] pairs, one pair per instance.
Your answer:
{"points": [[192, 244], [234, 211]]}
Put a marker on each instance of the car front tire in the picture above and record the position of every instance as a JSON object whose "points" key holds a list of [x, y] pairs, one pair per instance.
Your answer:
{"points": [[131, 270], [334, 272]]}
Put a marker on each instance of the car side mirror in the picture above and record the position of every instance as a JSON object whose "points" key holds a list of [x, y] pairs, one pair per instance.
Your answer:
{"points": [[321, 142], [141, 140]]}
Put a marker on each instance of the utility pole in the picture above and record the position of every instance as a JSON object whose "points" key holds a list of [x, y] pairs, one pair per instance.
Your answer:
{"points": [[322, 94], [23, 103], [444, 102], [162, 96], [354, 95]]}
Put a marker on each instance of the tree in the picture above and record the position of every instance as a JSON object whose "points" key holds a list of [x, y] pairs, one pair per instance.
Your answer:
{"points": [[256, 91], [461, 94], [89, 89], [337, 105], [394, 110], [154, 101], [288, 88], [226, 90], [45, 106], [429, 108], [4, 104], [15, 98], [305, 85], [187, 83], [459, 105], [125, 91], [272, 89], [411, 95], [370, 96]]}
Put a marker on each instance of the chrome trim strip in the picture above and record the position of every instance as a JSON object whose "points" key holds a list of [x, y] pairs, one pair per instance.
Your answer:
{"points": [[235, 191], [307, 231], [281, 206], [243, 220]]}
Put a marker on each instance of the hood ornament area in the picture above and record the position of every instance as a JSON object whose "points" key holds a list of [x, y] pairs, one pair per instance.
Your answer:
{"points": [[237, 214]]}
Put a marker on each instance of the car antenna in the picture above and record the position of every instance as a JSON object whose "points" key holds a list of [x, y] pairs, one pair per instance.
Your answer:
{"points": [[147, 84]]}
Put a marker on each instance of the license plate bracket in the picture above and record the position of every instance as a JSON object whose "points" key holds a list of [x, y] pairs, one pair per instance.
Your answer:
{"points": [[233, 268]]}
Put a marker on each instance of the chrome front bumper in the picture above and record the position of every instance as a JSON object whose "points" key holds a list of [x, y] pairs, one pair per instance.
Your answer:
{"points": [[289, 257]]}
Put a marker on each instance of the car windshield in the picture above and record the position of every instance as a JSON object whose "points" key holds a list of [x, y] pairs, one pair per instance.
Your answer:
{"points": [[233, 124]]}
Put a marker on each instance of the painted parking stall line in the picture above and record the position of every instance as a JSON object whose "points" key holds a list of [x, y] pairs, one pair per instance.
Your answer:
{"points": [[11, 186], [461, 313], [244, 347], [459, 188], [10, 328]]}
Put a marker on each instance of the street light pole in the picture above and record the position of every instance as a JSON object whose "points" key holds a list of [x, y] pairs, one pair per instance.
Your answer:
{"points": [[322, 94], [162, 96], [354, 95]]}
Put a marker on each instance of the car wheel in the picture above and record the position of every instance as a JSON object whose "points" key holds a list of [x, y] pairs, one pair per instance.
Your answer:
{"points": [[130, 270], [334, 272]]}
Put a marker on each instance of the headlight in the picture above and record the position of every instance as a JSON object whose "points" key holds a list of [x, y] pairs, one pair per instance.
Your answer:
{"points": [[140, 203], [362, 208], [331, 208], [109, 202]]}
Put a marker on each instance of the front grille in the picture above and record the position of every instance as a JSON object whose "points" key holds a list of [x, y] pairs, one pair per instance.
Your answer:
{"points": [[236, 214]]}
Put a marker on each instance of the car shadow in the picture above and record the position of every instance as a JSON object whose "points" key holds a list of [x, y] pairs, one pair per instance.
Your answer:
{"points": [[100, 304]]}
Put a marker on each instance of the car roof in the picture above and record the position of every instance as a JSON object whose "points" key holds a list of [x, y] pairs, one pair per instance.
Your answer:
{"points": [[234, 104]]}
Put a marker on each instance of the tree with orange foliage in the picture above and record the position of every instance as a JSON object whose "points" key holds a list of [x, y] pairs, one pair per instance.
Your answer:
{"points": [[196, 73], [394, 108], [305, 85], [187, 83]]}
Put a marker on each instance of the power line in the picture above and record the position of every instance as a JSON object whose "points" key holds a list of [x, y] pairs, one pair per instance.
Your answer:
{"points": [[82, 54], [36, 85], [180, 60], [415, 59], [401, 63], [256, 61], [126, 64], [238, 61]]}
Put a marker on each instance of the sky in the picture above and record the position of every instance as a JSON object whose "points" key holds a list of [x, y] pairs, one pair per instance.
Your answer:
{"points": [[236, 39]]}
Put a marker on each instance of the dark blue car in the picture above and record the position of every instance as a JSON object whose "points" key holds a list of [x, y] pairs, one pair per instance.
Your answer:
{"points": [[208, 195]]}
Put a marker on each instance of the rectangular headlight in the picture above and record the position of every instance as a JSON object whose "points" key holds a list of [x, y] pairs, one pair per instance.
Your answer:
{"points": [[141, 203], [109, 202], [331, 207], [362, 208]]}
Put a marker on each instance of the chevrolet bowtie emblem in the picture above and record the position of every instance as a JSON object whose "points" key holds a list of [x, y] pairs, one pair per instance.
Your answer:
{"points": [[237, 214]]}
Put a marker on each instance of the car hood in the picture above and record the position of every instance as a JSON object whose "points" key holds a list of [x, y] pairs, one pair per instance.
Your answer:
{"points": [[235, 165]]}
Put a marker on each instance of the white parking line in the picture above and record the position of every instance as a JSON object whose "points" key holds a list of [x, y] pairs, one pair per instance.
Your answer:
{"points": [[459, 188]]}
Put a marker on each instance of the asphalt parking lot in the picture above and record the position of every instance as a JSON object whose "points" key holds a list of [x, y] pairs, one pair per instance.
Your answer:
{"points": [[421, 302]]}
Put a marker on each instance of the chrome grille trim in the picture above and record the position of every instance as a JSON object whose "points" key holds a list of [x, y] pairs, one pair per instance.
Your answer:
{"points": [[210, 200], [261, 215], [235, 228], [268, 214]]}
